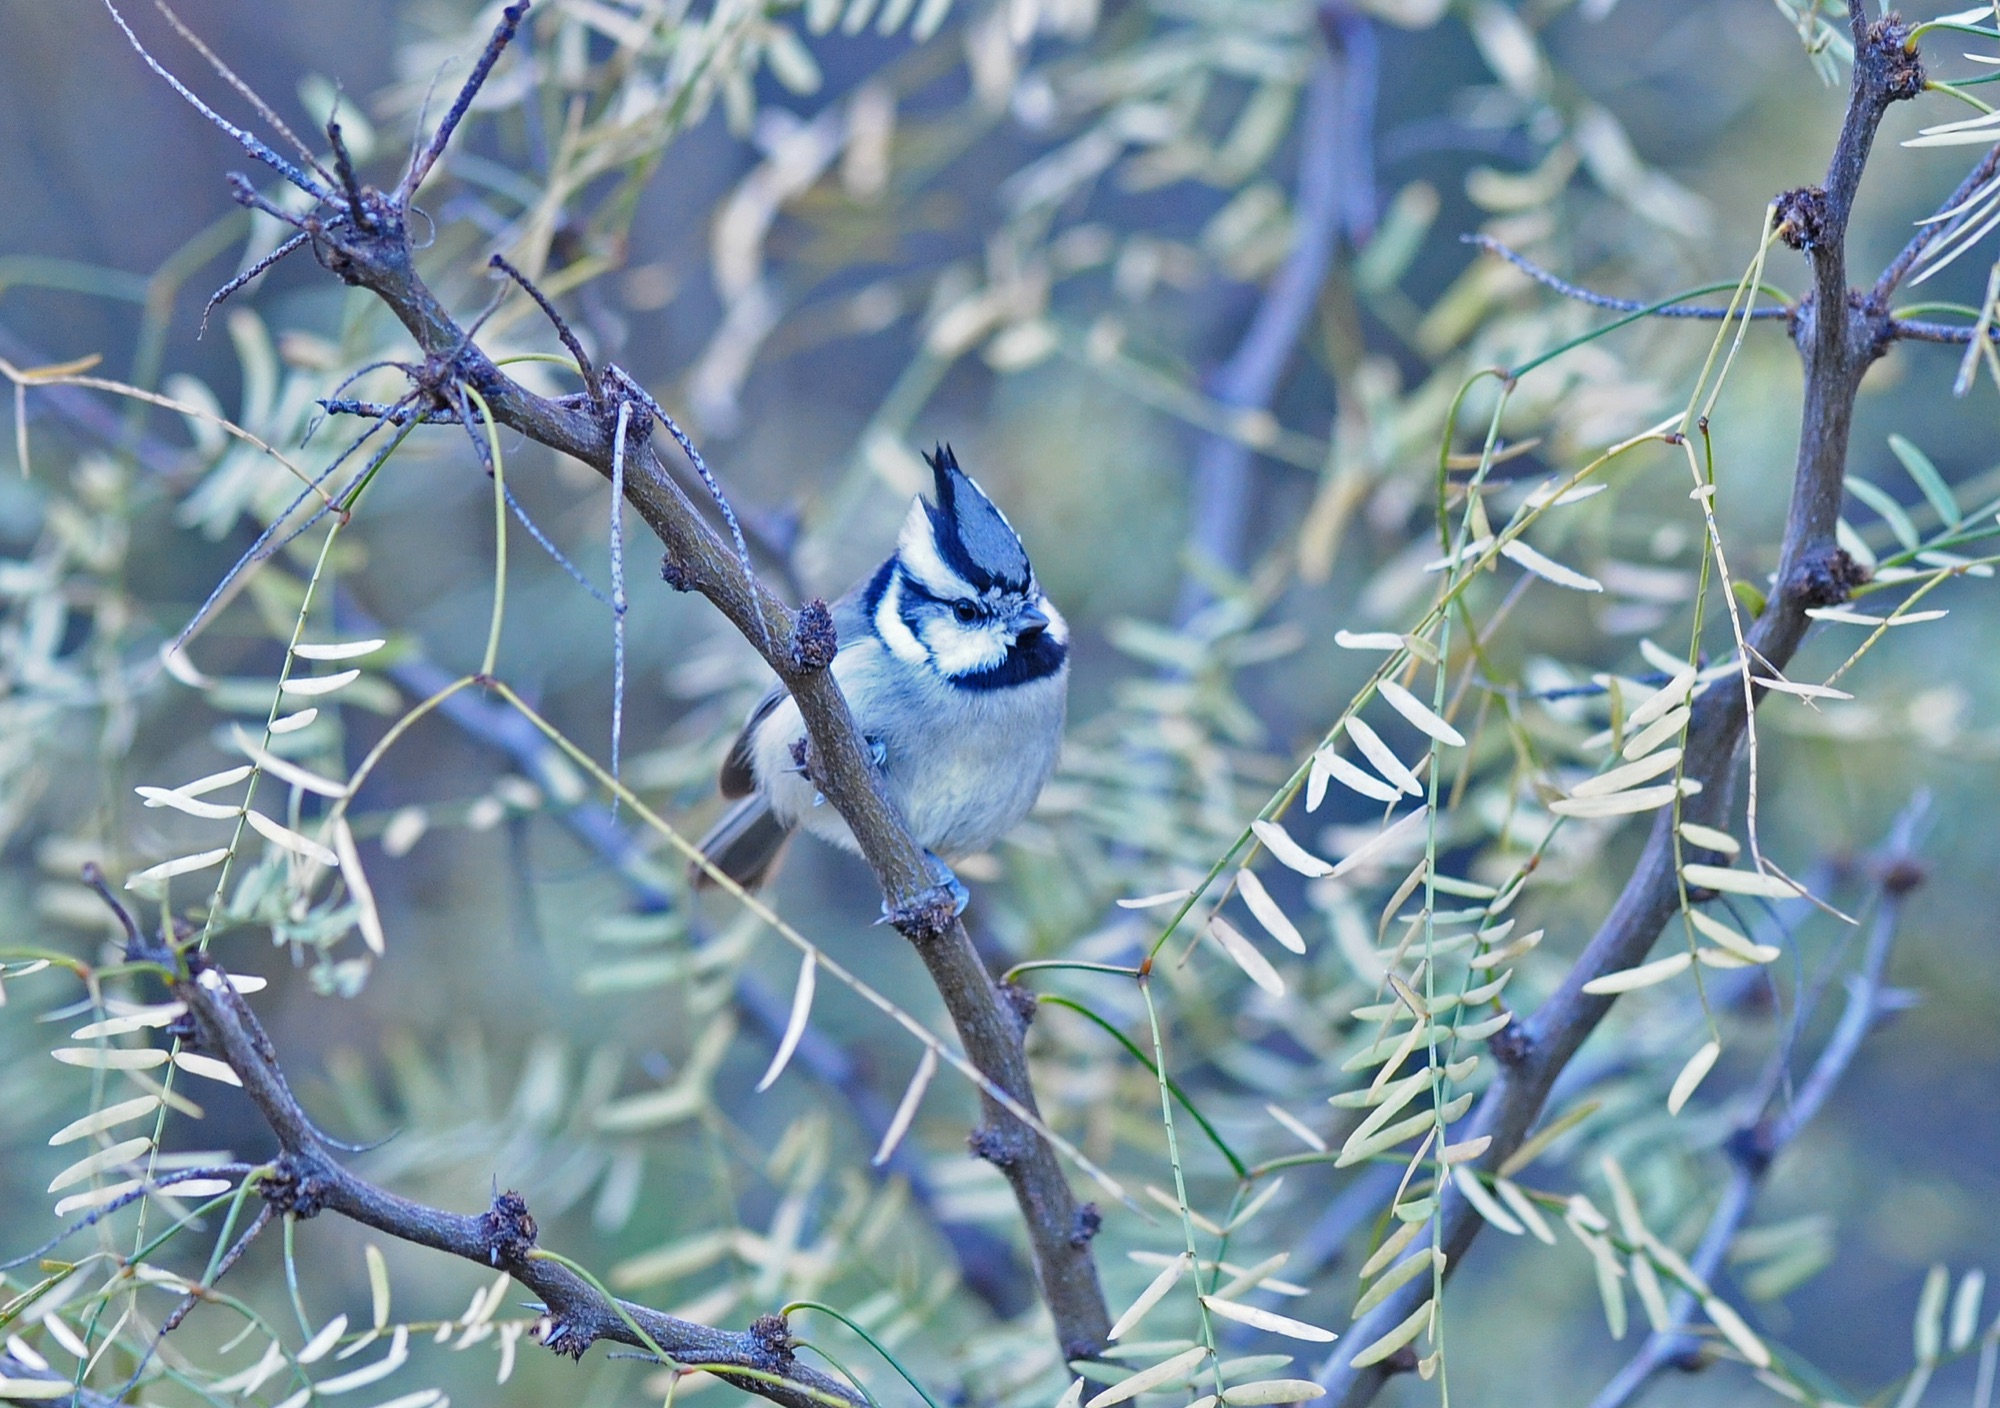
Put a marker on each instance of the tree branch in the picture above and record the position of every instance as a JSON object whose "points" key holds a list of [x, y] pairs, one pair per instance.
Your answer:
{"points": [[1606, 301], [1935, 229], [1758, 1142], [1335, 128], [368, 246], [306, 1180], [1838, 339]]}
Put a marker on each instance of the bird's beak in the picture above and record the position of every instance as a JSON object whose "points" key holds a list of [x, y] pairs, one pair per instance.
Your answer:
{"points": [[1030, 621]]}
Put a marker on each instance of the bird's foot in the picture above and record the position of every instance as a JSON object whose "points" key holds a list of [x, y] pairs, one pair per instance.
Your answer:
{"points": [[933, 911]]}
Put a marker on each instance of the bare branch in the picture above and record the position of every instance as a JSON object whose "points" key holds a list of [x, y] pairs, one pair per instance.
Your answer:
{"points": [[503, 35], [243, 139], [1838, 339], [1606, 301], [1220, 495], [243, 90], [305, 1180], [1935, 229], [295, 243]]}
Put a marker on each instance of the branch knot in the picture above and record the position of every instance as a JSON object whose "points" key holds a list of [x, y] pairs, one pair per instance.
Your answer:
{"points": [[1826, 578], [1802, 218], [815, 639], [293, 1187], [509, 1230], [773, 1335], [1901, 67], [998, 1148], [927, 917]]}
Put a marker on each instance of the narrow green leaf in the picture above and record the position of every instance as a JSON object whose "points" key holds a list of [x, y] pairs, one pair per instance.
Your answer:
{"points": [[1928, 479], [1887, 509]]}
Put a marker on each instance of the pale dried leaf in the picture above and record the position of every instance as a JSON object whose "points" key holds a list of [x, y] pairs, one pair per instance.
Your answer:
{"points": [[1547, 568], [795, 1025], [1287, 852], [1274, 919], [1420, 714], [1245, 955], [1643, 976]]}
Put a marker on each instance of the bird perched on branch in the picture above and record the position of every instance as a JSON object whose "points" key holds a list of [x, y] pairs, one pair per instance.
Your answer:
{"points": [[956, 668]]}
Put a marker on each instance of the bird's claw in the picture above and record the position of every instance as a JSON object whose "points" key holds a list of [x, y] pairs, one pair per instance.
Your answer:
{"points": [[935, 909]]}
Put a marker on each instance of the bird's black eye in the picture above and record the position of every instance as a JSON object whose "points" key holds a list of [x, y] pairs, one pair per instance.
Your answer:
{"points": [[965, 611]]}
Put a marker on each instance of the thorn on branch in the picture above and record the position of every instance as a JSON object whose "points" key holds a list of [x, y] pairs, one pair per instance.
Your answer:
{"points": [[93, 876], [563, 1338], [343, 165], [815, 640]]}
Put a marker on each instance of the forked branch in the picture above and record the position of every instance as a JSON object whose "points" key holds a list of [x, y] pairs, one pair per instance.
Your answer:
{"points": [[305, 1179]]}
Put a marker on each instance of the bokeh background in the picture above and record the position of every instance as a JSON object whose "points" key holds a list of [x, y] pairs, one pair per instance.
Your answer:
{"points": [[532, 977]]}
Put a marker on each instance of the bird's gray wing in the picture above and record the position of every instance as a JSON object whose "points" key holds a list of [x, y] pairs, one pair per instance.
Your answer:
{"points": [[737, 779], [850, 623]]}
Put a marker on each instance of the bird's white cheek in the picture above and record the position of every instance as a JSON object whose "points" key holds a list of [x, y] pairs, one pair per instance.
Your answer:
{"points": [[958, 651]]}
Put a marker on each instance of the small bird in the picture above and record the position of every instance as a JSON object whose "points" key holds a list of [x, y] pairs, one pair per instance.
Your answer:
{"points": [[956, 668]]}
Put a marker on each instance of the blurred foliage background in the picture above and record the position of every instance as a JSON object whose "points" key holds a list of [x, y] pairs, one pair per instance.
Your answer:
{"points": [[1044, 231]]}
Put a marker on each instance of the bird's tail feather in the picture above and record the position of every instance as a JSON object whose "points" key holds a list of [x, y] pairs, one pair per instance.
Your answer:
{"points": [[745, 844]]}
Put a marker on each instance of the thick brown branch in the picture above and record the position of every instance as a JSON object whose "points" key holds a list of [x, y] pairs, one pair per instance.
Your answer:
{"points": [[307, 1180], [1838, 336]]}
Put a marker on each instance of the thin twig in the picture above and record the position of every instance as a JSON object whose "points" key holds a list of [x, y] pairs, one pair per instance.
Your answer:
{"points": [[590, 377], [503, 34], [1912, 330], [296, 242], [1931, 231], [1606, 301], [250, 144], [244, 90]]}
